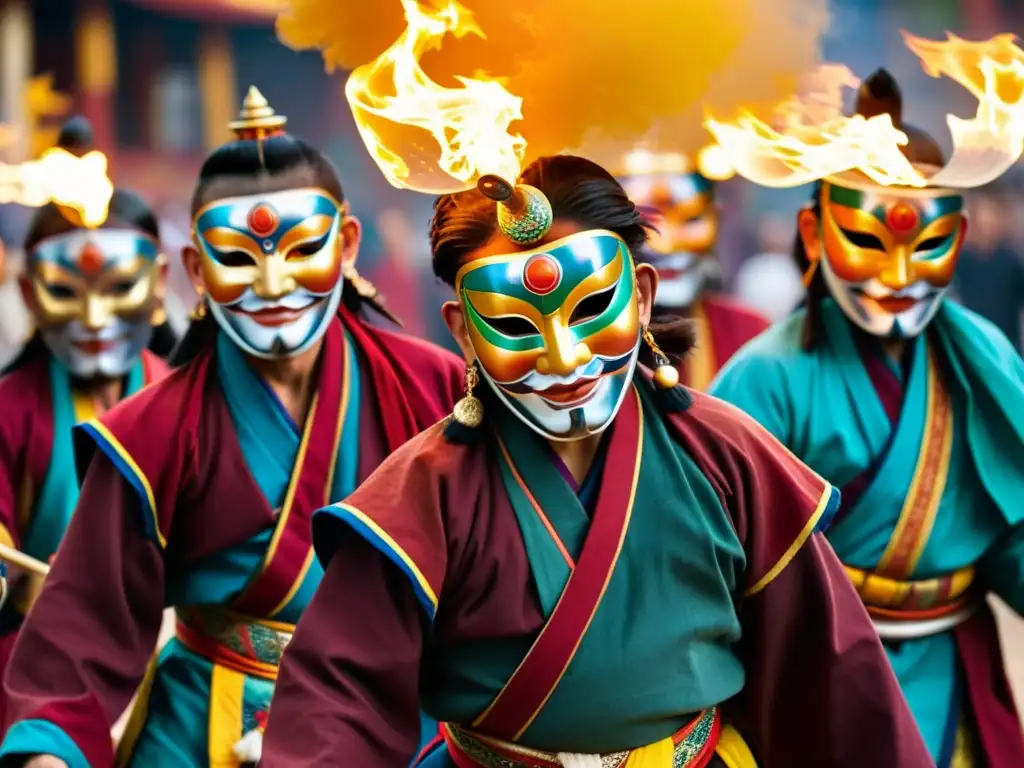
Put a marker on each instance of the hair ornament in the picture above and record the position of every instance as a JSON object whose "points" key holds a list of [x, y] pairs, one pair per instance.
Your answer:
{"points": [[524, 212]]}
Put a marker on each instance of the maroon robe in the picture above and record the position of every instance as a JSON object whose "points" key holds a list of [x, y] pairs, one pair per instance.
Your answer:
{"points": [[26, 443], [85, 647], [819, 689], [730, 325]]}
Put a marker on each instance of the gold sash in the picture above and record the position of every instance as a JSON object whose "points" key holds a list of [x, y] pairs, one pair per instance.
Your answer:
{"points": [[921, 505]]}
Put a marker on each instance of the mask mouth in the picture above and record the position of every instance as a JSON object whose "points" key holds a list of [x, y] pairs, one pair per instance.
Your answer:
{"points": [[895, 302], [97, 342], [272, 314], [95, 346], [574, 390]]}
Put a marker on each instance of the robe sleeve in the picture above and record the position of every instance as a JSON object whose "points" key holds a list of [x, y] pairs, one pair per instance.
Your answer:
{"points": [[757, 385], [348, 689], [85, 646], [819, 689], [1001, 570]]}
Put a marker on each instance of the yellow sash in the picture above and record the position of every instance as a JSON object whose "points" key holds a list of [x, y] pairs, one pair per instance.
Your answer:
{"points": [[917, 517]]}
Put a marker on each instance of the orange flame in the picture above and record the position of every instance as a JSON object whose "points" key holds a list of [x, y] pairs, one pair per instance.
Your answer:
{"points": [[815, 140], [395, 103], [79, 183]]}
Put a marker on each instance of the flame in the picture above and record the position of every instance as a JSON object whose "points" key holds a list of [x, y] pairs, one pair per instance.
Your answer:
{"points": [[714, 163], [814, 140], [394, 103], [78, 183]]}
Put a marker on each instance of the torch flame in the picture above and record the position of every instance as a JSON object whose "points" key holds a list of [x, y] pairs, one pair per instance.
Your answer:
{"points": [[815, 141], [78, 183], [394, 103]]}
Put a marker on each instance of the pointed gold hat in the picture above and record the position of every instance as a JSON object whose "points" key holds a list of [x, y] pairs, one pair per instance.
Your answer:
{"points": [[256, 118]]}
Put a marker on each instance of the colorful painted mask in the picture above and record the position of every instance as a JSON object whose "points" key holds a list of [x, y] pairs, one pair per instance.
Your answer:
{"points": [[889, 255], [95, 292], [556, 330], [681, 207], [272, 265]]}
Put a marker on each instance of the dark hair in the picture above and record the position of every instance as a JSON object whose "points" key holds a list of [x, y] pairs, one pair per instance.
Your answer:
{"points": [[251, 166], [578, 190], [126, 208], [816, 288]]}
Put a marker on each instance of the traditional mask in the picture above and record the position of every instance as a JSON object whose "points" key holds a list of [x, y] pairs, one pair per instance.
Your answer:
{"points": [[681, 207], [556, 330], [272, 265], [95, 293], [889, 254]]}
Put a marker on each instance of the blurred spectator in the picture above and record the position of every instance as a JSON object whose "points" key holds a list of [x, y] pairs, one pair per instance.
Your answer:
{"points": [[990, 276], [769, 282]]}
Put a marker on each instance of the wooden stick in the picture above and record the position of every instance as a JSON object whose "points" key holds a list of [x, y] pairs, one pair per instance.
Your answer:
{"points": [[26, 562]]}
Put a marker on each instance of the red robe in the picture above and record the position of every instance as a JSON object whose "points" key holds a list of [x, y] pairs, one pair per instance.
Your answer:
{"points": [[722, 326], [186, 494], [819, 690], [26, 444]]}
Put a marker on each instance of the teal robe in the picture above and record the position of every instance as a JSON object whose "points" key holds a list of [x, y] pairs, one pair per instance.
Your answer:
{"points": [[823, 406], [176, 728]]}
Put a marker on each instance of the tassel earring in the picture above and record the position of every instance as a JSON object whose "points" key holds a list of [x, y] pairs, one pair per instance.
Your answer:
{"points": [[464, 424], [673, 398]]}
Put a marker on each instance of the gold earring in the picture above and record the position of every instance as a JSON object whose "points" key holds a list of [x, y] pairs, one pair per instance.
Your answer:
{"points": [[469, 411], [158, 316], [666, 375], [199, 310]]}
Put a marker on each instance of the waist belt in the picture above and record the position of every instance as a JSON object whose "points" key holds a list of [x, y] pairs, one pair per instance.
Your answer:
{"points": [[694, 744], [251, 646], [903, 610]]}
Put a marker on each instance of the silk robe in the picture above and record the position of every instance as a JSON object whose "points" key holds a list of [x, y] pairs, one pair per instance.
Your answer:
{"points": [[181, 506], [722, 594], [859, 419]]}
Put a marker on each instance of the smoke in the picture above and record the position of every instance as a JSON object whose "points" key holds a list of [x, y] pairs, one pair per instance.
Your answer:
{"points": [[597, 76]]}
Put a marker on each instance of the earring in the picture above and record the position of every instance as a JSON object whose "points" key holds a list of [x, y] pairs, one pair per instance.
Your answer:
{"points": [[666, 375], [463, 425], [158, 317], [469, 411], [199, 310]]}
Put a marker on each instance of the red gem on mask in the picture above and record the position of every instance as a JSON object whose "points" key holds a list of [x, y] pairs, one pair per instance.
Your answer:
{"points": [[262, 220], [903, 218], [90, 259], [542, 274]]}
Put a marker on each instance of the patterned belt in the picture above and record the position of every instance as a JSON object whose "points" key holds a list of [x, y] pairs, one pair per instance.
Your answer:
{"points": [[251, 646], [906, 609], [694, 744]]}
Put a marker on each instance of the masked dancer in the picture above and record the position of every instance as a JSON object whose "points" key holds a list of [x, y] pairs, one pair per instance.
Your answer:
{"points": [[198, 493], [913, 405], [680, 203], [588, 564], [94, 293]]}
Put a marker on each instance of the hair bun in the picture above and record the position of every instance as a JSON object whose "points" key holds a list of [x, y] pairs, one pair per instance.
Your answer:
{"points": [[76, 136]]}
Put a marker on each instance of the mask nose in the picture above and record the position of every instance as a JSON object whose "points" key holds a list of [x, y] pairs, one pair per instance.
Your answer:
{"points": [[96, 315], [899, 272], [273, 281], [562, 355]]}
